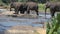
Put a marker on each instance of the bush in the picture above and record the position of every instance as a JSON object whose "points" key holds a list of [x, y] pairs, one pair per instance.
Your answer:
{"points": [[54, 27]]}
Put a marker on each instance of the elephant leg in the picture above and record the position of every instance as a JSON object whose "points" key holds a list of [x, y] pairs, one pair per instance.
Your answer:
{"points": [[52, 13], [45, 11], [10, 9], [22, 12], [16, 11], [37, 12], [28, 11]]}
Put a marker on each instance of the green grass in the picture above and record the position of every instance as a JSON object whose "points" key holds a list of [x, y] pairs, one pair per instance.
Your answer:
{"points": [[41, 6]]}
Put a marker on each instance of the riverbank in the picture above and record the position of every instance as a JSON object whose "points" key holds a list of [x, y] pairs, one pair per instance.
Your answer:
{"points": [[25, 30]]}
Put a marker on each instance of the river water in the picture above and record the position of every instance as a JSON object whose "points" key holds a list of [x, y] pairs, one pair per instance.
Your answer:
{"points": [[6, 22]]}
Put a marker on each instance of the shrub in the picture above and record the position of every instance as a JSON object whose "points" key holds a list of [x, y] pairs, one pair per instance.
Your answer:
{"points": [[54, 27]]}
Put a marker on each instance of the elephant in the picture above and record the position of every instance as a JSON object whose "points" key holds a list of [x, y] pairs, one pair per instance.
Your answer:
{"points": [[32, 6], [54, 7], [18, 6], [22, 7]]}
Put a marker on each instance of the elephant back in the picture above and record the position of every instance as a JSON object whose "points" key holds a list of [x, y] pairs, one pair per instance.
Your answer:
{"points": [[16, 4], [31, 4]]}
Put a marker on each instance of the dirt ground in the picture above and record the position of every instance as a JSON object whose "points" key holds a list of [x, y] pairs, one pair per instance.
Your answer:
{"points": [[26, 29]]}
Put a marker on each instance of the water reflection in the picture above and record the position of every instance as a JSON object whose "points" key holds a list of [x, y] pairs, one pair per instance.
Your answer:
{"points": [[11, 21]]}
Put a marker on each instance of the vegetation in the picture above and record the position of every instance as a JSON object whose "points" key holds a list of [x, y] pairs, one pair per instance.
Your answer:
{"points": [[54, 26], [41, 6], [38, 1]]}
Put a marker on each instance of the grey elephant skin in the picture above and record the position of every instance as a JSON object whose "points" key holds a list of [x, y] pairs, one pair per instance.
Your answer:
{"points": [[32, 6], [24, 7], [53, 6], [18, 6]]}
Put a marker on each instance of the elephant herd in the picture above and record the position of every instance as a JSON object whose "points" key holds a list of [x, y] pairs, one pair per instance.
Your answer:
{"points": [[24, 7], [27, 6]]}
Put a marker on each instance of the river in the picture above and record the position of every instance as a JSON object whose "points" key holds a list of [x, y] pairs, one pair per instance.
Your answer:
{"points": [[6, 22]]}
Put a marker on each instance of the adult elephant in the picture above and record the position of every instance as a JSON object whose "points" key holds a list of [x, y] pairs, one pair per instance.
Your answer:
{"points": [[18, 6], [54, 7], [32, 6]]}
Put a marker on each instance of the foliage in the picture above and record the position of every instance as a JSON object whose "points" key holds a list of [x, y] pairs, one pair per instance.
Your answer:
{"points": [[54, 26], [41, 6], [38, 1], [6, 1]]}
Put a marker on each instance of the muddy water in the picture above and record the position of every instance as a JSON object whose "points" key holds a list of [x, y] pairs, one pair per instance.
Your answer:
{"points": [[6, 22]]}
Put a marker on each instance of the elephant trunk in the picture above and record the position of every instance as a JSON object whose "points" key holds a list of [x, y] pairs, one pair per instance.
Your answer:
{"points": [[45, 11]]}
